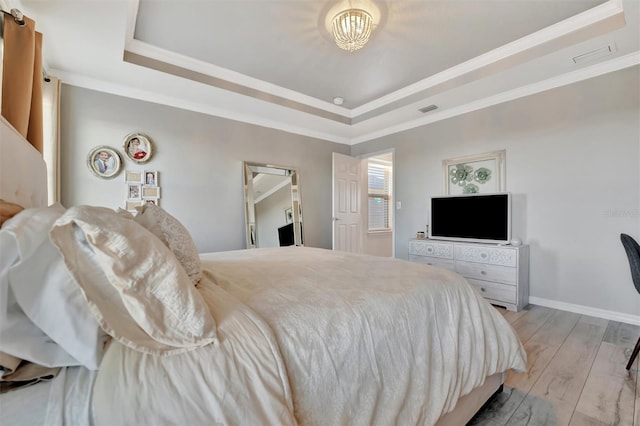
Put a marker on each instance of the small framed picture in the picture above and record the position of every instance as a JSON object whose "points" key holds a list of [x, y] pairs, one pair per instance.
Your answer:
{"points": [[154, 201], [150, 178], [133, 176], [150, 192], [134, 191], [138, 147], [131, 205], [104, 162]]}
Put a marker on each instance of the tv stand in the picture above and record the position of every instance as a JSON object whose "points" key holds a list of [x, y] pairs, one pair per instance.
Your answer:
{"points": [[499, 273]]}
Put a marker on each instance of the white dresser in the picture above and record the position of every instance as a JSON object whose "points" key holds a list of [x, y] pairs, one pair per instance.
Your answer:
{"points": [[499, 273]]}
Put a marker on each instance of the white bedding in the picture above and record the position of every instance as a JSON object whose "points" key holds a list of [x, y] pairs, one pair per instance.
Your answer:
{"points": [[65, 400], [312, 336]]}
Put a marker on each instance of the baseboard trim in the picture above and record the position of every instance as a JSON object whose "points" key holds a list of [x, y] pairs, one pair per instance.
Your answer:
{"points": [[586, 310]]}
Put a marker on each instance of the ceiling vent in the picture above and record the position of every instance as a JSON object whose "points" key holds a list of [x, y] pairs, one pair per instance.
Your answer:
{"points": [[428, 108], [595, 54]]}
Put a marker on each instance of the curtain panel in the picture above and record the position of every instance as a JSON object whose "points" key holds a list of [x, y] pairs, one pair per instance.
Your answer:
{"points": [[51, 135], [22, 79]]}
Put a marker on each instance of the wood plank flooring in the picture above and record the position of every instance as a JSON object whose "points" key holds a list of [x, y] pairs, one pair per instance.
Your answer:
{"points": [[576, 373]]}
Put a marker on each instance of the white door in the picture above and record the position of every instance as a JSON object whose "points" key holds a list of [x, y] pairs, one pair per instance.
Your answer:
{"points": [[347, 209]]}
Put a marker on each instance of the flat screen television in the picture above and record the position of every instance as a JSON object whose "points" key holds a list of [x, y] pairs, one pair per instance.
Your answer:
{"points": [[481, 218], [286, 237]]}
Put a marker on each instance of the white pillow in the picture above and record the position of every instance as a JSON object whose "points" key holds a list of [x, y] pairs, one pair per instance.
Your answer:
{"points": [[137, 289], [174, 235], [45, 318]]}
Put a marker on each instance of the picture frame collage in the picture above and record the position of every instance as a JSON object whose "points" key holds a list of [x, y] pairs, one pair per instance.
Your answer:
{"points": [[142, 188]]}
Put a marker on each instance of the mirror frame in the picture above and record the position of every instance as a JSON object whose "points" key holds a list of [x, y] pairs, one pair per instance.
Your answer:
{"points": [[248, 169]]}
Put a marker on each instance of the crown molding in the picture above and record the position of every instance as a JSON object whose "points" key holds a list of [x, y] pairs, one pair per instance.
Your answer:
{"points": [[517, 51], [613, 65], [85, 82], [592, 23], [259, 87]]}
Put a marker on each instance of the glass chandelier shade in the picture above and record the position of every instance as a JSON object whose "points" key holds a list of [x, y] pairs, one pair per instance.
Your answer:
{"points": [[352, 28]]}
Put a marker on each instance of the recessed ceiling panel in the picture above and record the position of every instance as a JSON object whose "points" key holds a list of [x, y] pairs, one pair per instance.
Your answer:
{"points": [[286, 43]]}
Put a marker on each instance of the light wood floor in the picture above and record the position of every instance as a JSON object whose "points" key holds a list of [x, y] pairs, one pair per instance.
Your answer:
{"points": [[576, 374]]}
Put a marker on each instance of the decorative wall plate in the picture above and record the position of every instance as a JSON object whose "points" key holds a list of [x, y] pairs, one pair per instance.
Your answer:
{"points": [[104, 162], [138, 147]]}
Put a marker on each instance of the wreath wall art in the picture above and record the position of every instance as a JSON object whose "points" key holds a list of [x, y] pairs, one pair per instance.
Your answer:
{"points": [[475, 174]]}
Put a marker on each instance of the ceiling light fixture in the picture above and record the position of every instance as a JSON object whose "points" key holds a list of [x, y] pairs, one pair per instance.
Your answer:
{"points": [[352, 28]]}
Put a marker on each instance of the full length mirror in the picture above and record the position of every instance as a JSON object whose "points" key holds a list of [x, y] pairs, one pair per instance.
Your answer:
{"points": [[273, 208]]}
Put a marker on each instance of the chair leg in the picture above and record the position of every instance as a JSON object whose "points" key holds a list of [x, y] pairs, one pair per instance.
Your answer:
{"points": [[634, 354]]}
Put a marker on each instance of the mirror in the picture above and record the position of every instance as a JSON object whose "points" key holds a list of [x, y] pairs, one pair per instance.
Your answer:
{"points": [[273, 208]]}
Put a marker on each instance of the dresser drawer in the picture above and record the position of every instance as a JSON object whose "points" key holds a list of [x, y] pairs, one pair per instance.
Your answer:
{"points": [[498, 273], [487, 272], [432, 249], [434, 261], [495, 291], [492, 255]]}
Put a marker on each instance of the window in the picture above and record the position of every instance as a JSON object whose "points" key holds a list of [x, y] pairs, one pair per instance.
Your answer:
{"points": [[379, 195]]}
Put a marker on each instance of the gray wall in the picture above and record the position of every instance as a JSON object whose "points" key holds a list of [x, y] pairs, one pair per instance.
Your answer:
{"points": [[199, 160], [573, 166]]}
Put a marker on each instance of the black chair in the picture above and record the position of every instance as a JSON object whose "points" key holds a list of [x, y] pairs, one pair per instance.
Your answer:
{"points": [[633, 253]]}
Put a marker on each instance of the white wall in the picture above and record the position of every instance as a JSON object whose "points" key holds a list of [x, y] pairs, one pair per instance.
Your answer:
{"points": [[573, 165], [378, 244], [199, 158]]}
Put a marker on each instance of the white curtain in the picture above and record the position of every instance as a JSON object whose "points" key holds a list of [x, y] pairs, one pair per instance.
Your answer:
{"points": [[51, 135]]}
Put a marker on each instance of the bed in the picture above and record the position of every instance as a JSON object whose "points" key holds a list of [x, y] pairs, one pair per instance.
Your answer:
{"points": [[290, 335]]}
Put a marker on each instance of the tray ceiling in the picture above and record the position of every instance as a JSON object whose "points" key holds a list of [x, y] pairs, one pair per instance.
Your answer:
{"points": [[274, 63]]}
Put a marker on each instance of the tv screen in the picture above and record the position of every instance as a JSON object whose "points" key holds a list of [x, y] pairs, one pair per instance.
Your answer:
{"points": [[286, 236], [476, 218]]}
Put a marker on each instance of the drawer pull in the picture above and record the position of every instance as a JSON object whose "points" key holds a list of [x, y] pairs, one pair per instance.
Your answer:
{"points": [[482, 289], [483, 255], [483, 272]]}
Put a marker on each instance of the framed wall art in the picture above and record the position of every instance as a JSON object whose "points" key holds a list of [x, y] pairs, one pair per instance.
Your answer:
{"points": [[131, 205], [104, 162], [138, 147], [150, 192], [133, 176], [475, 174], [150, 178], [134, 191], [288, 215]]}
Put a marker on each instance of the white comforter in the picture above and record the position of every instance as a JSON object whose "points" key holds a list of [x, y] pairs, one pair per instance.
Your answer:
{"points": [[316, 337]]}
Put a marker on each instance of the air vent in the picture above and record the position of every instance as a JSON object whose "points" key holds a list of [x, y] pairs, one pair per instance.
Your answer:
{"points": [[428, 108], [595, 54]]}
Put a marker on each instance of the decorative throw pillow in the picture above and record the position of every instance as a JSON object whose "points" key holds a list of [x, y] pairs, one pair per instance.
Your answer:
{"points": [[8, 210], [174, 235], [135, 286]]}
